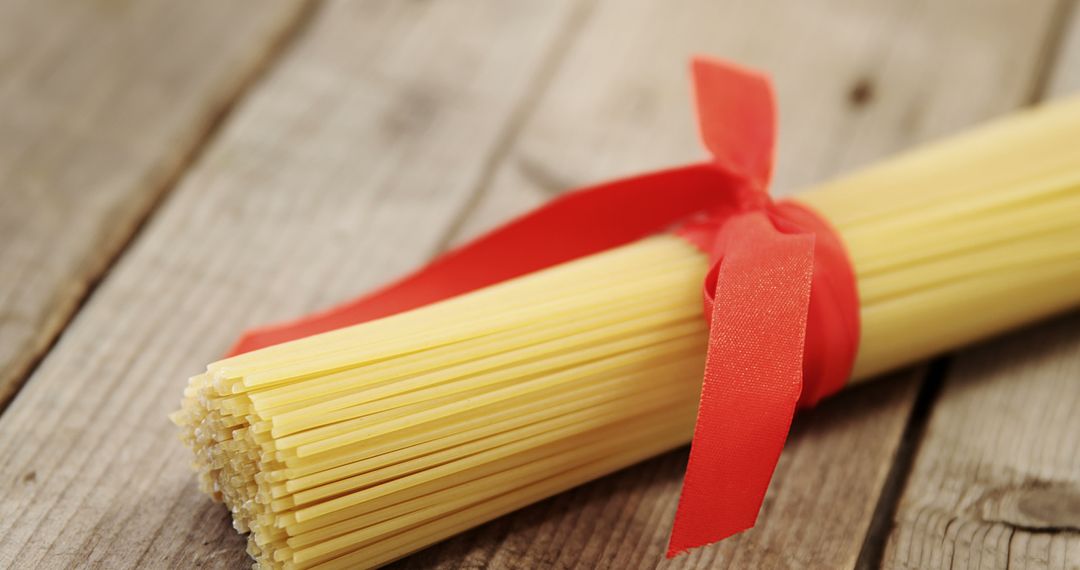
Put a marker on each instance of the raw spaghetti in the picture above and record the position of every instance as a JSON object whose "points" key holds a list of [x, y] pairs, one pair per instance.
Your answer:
{"points": [[355, 447]]}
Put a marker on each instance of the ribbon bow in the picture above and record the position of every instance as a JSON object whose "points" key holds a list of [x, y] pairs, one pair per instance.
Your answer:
{"points": [[780, 295]]}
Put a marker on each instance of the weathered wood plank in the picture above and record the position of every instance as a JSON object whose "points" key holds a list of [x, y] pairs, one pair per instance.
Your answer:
{"points": [[856, 81], [101, 106], [996, 481], [341, 168]]}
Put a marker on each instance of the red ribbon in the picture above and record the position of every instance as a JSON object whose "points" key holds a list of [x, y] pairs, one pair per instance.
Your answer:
{"points": [[780, 295]]}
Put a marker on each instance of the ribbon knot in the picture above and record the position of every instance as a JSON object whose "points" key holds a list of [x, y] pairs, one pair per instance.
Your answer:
{"points": [[782, 308], [780, 294]]}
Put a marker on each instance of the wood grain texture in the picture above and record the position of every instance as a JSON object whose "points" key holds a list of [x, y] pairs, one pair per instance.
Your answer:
{"points": [[101, 106], [996, 481], [856, 81], [341, 168]]}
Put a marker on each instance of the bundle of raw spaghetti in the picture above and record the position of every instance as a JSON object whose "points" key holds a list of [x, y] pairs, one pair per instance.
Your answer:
{"points": [[355, 447]]}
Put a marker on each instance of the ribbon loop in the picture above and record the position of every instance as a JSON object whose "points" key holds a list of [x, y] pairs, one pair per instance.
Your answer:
{"points": [[737, 118]]}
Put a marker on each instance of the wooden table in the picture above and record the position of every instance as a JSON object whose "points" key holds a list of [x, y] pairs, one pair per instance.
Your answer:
{"points": [[173, 172]]}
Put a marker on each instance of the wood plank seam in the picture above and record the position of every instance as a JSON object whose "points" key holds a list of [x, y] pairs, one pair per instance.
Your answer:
{"points": [[61, 315], [873, 548], [1052, 50]]}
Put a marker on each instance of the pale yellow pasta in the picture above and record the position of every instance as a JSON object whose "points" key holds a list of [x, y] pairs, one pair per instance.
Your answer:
{"points": [[355, 447]]}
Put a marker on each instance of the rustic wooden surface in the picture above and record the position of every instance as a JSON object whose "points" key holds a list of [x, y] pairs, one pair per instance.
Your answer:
{"points": [[102, 105], [359, 138], [338, 170]]}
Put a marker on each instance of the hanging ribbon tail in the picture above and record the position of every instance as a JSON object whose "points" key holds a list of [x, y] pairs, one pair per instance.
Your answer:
{"points": [[753, 377]]}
